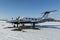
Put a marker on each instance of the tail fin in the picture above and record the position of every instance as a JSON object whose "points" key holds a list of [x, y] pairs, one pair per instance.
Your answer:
{"points": [[46, 14]]}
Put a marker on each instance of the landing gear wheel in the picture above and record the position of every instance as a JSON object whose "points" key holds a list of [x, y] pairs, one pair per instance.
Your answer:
{"points": [[20, 28], [14, 26]]}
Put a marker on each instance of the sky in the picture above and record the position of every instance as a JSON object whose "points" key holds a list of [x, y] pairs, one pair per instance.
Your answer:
{"points": [[28, 8]]}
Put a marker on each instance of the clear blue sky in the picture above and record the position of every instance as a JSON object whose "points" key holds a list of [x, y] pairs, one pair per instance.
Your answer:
{"points": [[28, 8]]}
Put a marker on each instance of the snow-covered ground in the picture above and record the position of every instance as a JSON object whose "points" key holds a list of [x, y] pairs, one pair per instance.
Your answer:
{"points": [[48, 31]]}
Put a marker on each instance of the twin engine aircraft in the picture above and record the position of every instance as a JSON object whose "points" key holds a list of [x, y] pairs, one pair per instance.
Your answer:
{"points": [[32, 21]]}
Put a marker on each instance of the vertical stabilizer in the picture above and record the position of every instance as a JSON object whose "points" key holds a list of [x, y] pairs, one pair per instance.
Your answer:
{"points": [[46, 14]]}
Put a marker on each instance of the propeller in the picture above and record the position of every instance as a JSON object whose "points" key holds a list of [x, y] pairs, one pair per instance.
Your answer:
{"points": [[18, 18]]}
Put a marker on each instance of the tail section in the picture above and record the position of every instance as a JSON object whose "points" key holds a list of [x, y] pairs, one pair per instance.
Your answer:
{"points": [[46, 14]]}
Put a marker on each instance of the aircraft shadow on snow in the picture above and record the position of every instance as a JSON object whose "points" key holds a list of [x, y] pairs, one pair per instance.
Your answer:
{"points": [[39, 26], [48, 26]]}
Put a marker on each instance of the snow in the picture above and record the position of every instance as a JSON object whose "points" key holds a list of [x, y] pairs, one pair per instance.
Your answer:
{"points": [[48, 31]]}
